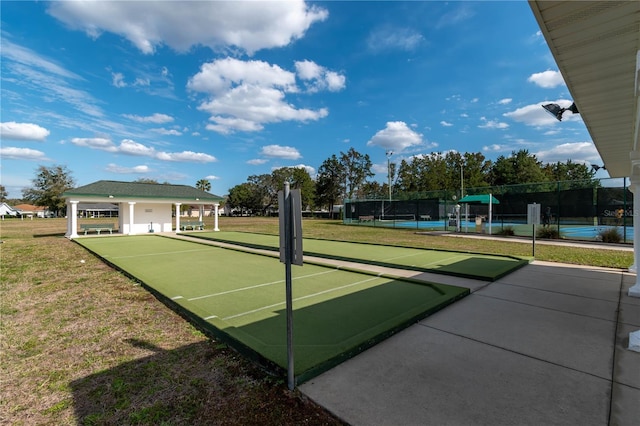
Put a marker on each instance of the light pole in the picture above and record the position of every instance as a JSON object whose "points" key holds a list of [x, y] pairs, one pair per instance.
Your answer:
{"points": [[461, 180], [389, 154]]}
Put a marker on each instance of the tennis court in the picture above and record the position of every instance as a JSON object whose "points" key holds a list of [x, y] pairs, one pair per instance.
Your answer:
{"points": [[239, 297], [456, 263], [567, 230]]}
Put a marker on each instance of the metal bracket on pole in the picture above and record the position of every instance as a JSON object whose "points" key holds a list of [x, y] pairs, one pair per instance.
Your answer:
{"points": [[290, 216]]}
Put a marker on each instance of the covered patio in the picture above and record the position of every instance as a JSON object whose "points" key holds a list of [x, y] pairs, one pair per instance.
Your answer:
{"points": [[142, 207]]}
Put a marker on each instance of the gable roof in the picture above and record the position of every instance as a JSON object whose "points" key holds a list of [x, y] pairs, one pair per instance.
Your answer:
{"points": [[29, 208], [136, 190]]}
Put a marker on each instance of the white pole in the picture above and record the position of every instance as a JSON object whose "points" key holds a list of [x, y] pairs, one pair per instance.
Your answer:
{"points": [[490, 210]]}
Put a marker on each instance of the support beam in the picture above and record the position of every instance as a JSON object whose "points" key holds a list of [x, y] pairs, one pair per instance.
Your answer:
{"points": [[72, 219], [132, 204], [216, 207], [177, 216]]}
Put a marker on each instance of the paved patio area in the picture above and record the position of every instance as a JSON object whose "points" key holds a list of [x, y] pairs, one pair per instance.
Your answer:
{"points": [[545, 345]]}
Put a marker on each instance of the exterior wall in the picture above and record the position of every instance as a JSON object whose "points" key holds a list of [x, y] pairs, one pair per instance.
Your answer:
{"points": [[146, 216]]}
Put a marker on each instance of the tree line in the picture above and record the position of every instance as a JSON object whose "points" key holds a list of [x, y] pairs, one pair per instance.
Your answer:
{"points": [[349, 176]]}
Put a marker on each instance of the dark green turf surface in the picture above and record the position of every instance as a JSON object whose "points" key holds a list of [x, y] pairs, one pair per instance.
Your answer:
{"points": [[337, 313], [462, 264]]}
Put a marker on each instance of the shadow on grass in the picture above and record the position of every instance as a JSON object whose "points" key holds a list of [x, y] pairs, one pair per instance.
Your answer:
{"points": [[54, 234], [201, 383]]}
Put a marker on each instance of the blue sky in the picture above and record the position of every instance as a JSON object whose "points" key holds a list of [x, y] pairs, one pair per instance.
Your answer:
{"points": [[185, 91]]}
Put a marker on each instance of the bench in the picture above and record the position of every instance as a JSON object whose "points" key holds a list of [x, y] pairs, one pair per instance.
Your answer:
{"points": [[86, 227], [425, 217], [365, 218], [192, 224]]}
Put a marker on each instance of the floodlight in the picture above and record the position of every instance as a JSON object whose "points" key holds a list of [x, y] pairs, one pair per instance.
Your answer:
{"points": [[595, 167], [557, 111]]}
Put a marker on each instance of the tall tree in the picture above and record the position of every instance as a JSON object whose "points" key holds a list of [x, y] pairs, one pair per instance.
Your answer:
{"points": [[203, 185], [48, 186], [568, 171], [3, 194], [521, 167], [245, 197], [298, 178], [330, 183], [357, 168]]}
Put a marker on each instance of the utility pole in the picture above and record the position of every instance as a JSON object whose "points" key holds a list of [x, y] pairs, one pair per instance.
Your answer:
{"points": [[389, 154]]}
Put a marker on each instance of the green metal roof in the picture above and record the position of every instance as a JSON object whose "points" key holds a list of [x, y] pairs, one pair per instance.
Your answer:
{"points": [[479, 199], [110, 188]]}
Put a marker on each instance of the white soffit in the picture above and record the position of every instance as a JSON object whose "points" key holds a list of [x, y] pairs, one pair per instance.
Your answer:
{"points": [[595, 44]]}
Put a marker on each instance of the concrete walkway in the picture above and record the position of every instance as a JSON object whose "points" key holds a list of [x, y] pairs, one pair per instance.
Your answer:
{"points": [[545, 345]]}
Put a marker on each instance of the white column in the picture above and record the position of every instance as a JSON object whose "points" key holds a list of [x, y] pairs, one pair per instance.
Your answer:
{"points": [[634, 185], [131, 221], [633, 268], [72, 219], [216, 206], [201, 213], [178, 216]]}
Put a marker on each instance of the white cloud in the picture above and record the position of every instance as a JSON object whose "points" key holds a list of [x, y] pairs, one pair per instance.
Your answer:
{"points": [[167, 132], [35, 72], [31, 59], [139, 81], [309, 169], [186, 156], [96, 143], [248, 26], [547, 79], [394, 38], [576, 151], [245, 95], [505, 101], [492, 124], [279, 151], [156, 118], [130, 147], [117, 80], [217, 77], [446, 124], [318, 78], [396, 136], [212, 177], [114, 168], [494, 148], [14, 153], [22, 131], [257, 161], [535, 115]]}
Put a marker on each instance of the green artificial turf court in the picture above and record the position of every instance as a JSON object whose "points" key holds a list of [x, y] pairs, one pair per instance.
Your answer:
{"points": [[241, 296], [456, 263]]}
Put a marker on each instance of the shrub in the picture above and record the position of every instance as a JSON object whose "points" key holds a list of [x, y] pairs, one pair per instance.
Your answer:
{"points": [[548, 232], [507, 230], [610, 235]]}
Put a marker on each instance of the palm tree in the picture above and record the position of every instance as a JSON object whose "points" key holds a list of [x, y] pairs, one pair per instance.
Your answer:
{"points": [[203, 185]]}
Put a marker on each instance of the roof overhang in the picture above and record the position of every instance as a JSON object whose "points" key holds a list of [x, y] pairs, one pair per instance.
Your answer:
{"points": [[479, 199], [596, 47]]}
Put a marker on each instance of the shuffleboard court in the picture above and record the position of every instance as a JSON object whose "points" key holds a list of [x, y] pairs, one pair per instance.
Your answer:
{"points": [[461, 264], [240, 297]]}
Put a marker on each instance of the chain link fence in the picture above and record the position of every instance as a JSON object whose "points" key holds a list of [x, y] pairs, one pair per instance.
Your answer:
{"points": [[595, 210]]}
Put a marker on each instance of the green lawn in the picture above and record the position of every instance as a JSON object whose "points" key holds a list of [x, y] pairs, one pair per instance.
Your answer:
{"points": [[456, 263], [241, 297]]}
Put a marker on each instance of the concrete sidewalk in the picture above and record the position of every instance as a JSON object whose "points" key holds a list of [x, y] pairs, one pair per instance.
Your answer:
{"points": [[545, 345]]}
